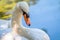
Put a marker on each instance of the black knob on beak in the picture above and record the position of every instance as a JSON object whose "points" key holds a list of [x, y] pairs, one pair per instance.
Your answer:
{"points": [[29, 24]]}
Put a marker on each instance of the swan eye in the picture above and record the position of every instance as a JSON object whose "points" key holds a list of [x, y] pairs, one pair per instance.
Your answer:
{"points": [[27, 15]]}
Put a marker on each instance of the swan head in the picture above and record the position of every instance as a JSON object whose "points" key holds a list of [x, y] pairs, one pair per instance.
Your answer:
{"points": [[23, 6]]}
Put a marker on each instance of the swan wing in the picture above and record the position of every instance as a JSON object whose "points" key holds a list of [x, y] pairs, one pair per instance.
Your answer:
{"points": [[38, 34]]}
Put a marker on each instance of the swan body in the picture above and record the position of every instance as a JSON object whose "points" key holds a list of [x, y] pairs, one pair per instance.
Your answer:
{"points": [[36, 34], [19, 32]]}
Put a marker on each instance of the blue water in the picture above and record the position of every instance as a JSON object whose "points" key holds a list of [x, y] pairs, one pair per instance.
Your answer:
{"points": [[45, 14]]}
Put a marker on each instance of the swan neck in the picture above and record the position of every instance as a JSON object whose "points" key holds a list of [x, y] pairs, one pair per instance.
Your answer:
{"points": [[16, 20]]}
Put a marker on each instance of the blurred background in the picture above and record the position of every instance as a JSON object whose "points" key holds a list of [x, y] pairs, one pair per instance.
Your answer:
{"points": [[44, 14]]}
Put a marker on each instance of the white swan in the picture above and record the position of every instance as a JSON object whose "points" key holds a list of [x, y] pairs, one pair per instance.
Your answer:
{"points": [[19, 32]]}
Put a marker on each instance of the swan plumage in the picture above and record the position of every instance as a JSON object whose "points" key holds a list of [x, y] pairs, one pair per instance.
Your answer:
{"points": [[19, 32]]}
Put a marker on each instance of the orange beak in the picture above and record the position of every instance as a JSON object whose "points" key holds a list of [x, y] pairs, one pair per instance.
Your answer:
{"points": [[27, 19]]}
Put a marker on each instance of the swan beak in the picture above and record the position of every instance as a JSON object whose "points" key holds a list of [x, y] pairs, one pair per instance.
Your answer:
{"points": [[27, 19]]}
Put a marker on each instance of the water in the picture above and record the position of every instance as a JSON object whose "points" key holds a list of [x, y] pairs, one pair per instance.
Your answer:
{"points": [[45, 14]]}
